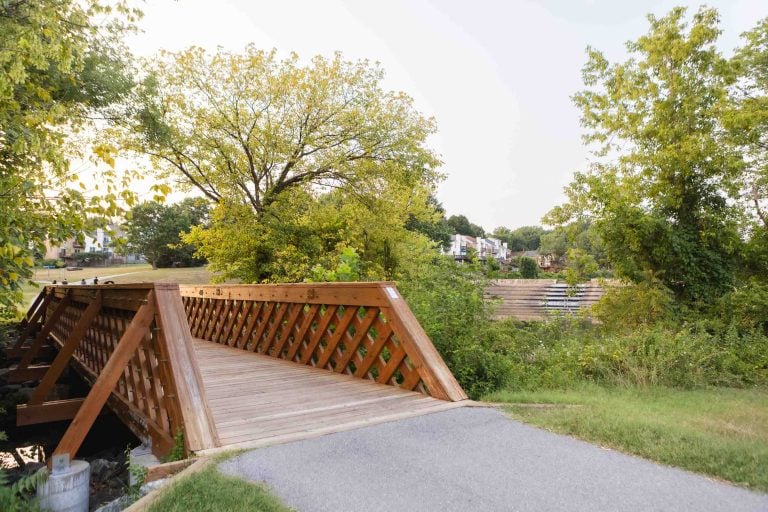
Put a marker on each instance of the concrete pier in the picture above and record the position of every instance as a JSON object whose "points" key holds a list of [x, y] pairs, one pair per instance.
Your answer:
{"points": [[66, 490]]}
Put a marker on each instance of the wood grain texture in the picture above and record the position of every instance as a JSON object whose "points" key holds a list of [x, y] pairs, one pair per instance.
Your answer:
{"points": [[105, 383], [360, 329], [64, 355], [255, 398], [199, 428]]}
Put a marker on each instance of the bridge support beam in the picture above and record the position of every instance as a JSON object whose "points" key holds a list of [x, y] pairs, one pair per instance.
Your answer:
{"points": [[55, 410], [106, 381]]}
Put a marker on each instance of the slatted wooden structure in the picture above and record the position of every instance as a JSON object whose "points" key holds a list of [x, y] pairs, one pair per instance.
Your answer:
{"points": [[132, 346], [230, 365], [360, 329], [539, 299]]}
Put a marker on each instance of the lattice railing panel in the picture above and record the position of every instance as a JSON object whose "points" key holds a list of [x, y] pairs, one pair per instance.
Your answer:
{"points": [[356, 329], [142, 388]]}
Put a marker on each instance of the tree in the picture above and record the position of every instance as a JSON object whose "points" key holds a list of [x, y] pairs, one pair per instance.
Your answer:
{"points": [[59, 69], [555, 243], [526, 238], [748, 118], [529, 269], [154, 230], [437, 229], [462, 226], [282, 149], [747, 123], [659, 187], [581, 266], [579, 234]]}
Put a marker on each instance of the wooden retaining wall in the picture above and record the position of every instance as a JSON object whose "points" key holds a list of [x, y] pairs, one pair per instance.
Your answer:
{"points": [[539, 299]]}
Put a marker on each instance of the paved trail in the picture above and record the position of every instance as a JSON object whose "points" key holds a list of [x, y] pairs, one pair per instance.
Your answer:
{"points": [[475, 459]]}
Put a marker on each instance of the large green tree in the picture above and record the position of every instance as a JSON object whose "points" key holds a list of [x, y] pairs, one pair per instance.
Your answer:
{"points": [[663, 173], [154, 230], [60, 69], [747, 123], [525, 238], [301, 160], [462, 226]]}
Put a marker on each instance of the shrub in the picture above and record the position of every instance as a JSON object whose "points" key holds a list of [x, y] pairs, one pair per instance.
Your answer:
{"points": [[628, 307], [528, 268], [54, 262], [564, 352], [447, 298], [746, 308]]}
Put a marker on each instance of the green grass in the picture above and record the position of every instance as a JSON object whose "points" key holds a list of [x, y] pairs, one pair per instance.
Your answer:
{"points": [[118, 274], [126, 274], [722, 432], [211, 491]]}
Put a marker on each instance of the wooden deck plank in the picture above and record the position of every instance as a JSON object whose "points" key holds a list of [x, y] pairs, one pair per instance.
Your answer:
{"points": [[257, 399]]}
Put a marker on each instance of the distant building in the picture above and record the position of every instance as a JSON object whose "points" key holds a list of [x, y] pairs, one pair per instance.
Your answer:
{"points": [[544, 261], [98, 242], [483, 248]]}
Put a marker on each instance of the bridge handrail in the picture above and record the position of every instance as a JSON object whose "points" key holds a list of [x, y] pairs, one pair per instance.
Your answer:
{"points": [[132, 344], [361, 329]]}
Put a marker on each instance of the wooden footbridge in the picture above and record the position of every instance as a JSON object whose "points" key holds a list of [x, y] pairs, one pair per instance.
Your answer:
{"points": [[229, 366]]}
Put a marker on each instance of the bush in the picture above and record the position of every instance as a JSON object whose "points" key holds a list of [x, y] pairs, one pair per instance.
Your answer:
{"points": [[447, 298], [641, 339], [529, 269], [746, 308], [627, 307], [52, 263], [564, 352]]}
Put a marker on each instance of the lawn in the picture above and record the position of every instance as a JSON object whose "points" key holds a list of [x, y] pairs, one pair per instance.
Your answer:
{"points": [[118, 274], [211, 491], [722, 433]]}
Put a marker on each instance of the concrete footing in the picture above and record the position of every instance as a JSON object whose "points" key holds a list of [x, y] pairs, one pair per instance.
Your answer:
{"points": [[66, 490]]}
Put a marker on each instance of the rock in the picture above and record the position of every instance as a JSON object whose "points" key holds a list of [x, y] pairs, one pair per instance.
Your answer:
{"points": [[115, 505], [12, 388], [33, 467], [26, 393], [101, 469], [151, 486]]}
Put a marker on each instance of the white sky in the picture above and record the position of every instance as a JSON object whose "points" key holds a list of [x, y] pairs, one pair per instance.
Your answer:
{"points": [[496, 75]]}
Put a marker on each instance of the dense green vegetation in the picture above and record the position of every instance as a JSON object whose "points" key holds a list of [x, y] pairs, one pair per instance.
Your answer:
{"points": [[154, 231], [62, 67]]}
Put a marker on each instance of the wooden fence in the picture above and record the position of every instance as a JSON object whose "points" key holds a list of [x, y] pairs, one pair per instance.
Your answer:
{"points": [[361, 329], [132, 344]]}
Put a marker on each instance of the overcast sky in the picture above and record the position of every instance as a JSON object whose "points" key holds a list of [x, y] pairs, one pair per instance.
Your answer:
{"points": [[496, 75]]}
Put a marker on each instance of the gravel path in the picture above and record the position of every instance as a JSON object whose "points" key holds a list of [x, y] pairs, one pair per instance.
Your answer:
{"points": [[475, 459]]}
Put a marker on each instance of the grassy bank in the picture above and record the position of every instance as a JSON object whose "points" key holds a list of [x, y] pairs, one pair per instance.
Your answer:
{"points": [[118, 274], [718, 432], [211, 491]]}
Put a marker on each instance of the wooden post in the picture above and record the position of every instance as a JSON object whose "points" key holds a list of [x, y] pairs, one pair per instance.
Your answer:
{"points": [[32, 308], [186, 380], [64, 355], [432, 369], [44, 332], [35, 318], [106, 381]]}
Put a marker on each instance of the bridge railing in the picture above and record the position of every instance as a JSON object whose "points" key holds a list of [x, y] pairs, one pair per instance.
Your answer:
{"points": [[132, 344], [361, 329]]}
